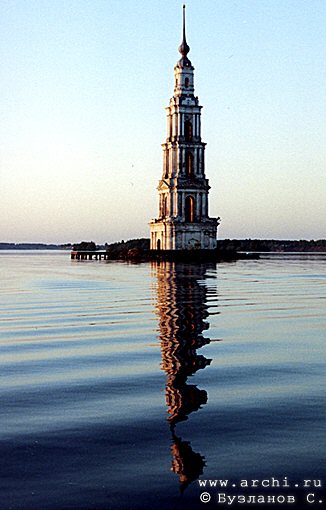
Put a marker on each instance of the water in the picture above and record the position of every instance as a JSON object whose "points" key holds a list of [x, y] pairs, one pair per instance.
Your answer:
{"points": [[121, 385]]}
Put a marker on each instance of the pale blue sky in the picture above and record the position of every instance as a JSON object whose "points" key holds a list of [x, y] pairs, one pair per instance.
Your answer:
{"points": [[83, 89]]}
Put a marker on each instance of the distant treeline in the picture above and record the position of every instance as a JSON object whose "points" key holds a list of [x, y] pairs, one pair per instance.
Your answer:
{"points": [[271, 245], [122, 247], [34, 246], [134, 247], [260, 245]]}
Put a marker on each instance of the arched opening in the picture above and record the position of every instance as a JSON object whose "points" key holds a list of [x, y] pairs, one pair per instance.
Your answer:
{"points": [[189, 164], [188, 131], [190, 209], [186, 82], [158, 245]]}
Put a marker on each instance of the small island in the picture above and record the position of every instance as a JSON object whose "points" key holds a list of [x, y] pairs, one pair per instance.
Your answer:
{"points": [[227, 250]]}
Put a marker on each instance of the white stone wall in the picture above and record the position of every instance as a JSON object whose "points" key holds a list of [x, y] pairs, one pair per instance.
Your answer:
{"points": [[187, 236]]}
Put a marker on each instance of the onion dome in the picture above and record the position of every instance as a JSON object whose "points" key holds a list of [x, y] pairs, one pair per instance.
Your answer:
{"points": [[184, 48]]}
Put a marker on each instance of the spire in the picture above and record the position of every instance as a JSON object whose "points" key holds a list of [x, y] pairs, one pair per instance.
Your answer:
{"points": [[184, 48]]}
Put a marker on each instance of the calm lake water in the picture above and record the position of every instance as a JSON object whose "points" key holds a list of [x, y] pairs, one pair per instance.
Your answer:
{"points": [[121, 385]]}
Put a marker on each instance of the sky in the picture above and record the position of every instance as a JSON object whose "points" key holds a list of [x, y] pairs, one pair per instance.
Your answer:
{"points": [[83, 88]]}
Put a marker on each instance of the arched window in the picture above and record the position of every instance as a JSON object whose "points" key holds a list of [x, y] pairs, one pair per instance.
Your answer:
{"points": [[190, 209], [189, 164], [188, 131]]}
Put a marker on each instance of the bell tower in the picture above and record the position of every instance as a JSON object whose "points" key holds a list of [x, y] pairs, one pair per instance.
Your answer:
{"points": [[183, 222]]}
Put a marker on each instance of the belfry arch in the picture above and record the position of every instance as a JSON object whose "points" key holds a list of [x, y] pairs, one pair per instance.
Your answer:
{"points": [[188, 131], [189, 164], [190, 209]]}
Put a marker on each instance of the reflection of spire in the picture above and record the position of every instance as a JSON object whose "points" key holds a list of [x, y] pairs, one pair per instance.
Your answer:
{"points": [[186, 463], [182, 310]]}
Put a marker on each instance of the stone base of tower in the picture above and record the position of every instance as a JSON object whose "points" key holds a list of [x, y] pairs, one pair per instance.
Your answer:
{"points": [[167, 235]]}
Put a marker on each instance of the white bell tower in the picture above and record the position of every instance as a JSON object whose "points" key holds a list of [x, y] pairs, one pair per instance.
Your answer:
{"points": [[183, 222]]}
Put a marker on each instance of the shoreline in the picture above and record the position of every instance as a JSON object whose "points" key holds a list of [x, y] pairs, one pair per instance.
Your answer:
{"points": [[227, 247]]}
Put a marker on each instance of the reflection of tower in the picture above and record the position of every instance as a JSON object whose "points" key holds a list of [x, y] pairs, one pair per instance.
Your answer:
{"points": [[183, 221], [182, 309]]}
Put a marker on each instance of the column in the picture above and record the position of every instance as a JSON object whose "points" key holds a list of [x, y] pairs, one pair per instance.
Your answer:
{"points": [[183, 204], [180, 210], [199, 169], [196, 161], [179, 169], [201, 161], [166, 169], [204, 206], [174, 162], [199, 207]]}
